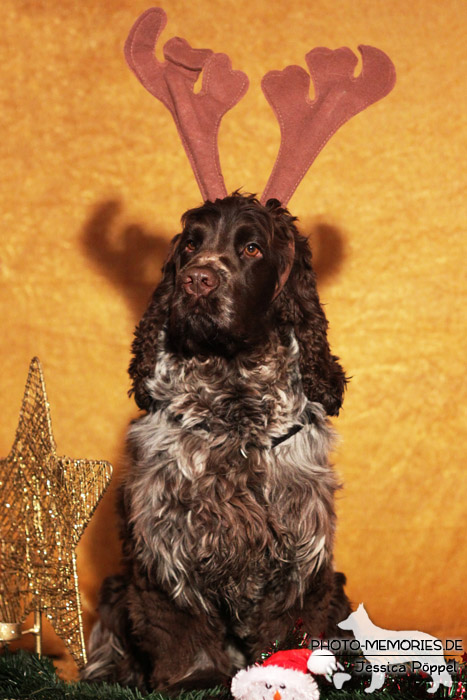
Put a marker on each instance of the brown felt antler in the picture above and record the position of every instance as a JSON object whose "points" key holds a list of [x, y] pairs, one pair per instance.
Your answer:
{"points": [[307, 125], [197, 115]]}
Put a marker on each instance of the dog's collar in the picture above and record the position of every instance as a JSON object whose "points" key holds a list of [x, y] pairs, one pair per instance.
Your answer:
{"points": [[275, 441], [282, 438]]}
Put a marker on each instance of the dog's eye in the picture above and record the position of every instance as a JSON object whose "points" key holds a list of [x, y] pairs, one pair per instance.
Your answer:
{"points": [[251, 250], [190, 245]]}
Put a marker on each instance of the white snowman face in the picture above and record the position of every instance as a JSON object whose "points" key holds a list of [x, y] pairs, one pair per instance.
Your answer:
{"points": [[273, 683], [272, 691]]}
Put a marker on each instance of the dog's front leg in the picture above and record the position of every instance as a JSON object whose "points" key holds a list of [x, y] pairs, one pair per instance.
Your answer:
{"points": [[185, 646], [322, 606]]}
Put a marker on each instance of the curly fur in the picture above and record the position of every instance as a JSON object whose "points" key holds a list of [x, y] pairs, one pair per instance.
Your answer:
{"points": [[226, 540]]}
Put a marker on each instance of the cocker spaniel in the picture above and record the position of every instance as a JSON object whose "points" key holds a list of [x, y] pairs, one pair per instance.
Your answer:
{"points": [[227, 515]]}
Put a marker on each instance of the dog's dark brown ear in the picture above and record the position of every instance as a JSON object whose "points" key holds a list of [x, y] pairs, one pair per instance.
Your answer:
{"points": [[145, 344], [299, 307]]}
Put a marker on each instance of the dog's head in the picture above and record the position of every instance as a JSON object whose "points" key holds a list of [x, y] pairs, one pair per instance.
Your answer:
{"points": [[238, 271], [227, 267]]}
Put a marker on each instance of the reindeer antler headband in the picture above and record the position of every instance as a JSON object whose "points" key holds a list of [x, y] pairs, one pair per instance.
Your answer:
{"points": [[306, 125]]}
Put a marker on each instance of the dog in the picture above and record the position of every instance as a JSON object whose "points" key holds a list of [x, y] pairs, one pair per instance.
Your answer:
{"points": [[420, 649], [226, 508]]}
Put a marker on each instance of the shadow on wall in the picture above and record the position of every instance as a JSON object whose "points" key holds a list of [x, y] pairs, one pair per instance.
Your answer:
{"points": [[129, 255], [328, 246]]}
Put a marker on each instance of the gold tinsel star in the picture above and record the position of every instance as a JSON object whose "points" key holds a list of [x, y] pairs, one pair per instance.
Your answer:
{"points": [[46, 501]]}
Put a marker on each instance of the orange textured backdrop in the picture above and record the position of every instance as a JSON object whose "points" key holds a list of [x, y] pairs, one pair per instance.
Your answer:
{"points": [[94, 183]]}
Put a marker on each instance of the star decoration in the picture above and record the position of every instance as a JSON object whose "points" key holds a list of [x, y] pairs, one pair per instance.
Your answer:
{"points": [[46, 502]]}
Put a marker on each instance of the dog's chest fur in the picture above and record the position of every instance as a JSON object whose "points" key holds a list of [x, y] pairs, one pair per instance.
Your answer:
{"points": [[211, 503]]}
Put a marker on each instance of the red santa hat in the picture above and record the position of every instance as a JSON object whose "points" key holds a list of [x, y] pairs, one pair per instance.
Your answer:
{"points": [[292, 669]]}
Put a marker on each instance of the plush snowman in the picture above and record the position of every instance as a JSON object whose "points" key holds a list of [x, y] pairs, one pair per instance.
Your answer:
{"points": [[285, 675]]}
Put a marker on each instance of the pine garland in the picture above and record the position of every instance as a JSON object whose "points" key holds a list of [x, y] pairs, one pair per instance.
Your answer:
{"points": [[25, 676]]}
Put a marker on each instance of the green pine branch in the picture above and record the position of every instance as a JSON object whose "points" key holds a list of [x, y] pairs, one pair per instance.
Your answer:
{"points": [[25, 676]]}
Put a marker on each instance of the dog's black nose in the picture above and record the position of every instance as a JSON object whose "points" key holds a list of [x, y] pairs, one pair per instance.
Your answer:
{"points": [[200, 281]]}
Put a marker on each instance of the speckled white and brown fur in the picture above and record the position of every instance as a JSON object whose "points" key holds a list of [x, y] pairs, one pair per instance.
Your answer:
{"points": [[227, 539], [212, 413]]}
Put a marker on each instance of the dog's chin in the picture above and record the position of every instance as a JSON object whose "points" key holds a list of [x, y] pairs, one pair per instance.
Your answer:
{"points": [[198, 333]]}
